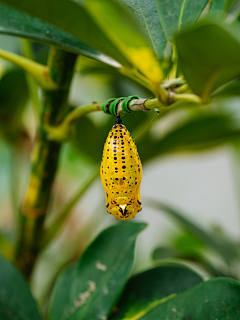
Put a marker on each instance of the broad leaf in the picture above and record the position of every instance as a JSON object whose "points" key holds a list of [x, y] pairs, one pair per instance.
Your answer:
{"points": [[177, 14], [61, 292], [145, 290], [145, 12], [100, 275], [218, 298], [121, 29], [24, 25], [71, 18], [209, 55], [16, 301], [221, 245]]}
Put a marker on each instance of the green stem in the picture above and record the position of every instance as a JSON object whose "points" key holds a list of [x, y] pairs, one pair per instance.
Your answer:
{"points": [[188, 97], [28, 53], [39, 72], [44, 163], [61, 132]]}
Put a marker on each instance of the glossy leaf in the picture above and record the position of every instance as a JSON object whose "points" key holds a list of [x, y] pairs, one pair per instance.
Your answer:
{"points": [[71, 18], [145, 290], [218, 298], [16, 301], [100, 275], [221, 245], [61, 292], [175, 15], [212, 52], [24, 25], [145, 12], [121, 29]]}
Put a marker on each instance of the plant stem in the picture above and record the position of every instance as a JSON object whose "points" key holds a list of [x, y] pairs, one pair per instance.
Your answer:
{"points": [[44, 163], [39, 72], [32, 86]]}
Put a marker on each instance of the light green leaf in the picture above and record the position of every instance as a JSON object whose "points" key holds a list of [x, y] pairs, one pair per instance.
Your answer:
{"points": [[222, 246], [121, 29]]}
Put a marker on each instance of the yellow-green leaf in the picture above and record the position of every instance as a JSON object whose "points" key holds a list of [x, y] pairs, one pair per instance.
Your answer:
{"points": [[123, 31]]}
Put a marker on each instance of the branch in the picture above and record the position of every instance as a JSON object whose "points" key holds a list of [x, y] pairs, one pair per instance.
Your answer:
{"points": [[62, 131], [44, 163], [39, 72]]}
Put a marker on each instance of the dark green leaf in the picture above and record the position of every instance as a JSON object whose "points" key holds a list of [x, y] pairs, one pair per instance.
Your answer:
{"points": [[145, 12], [61, 292], [209, 55], [228, 90], [218, 298], [177, 14], [16, 301], [13, 98], [101, 274], [24, 25], [221, 245], [71, 18], [165, 252], [85, 137], [151, 286]]}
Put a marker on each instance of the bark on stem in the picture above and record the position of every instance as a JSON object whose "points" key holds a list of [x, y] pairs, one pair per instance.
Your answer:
{"points": [[44, 162]]}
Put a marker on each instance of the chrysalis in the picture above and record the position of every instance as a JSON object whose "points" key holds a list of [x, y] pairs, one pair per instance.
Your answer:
{"points": [[121, 173]]}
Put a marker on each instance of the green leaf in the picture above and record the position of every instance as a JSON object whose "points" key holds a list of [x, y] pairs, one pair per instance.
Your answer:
{"points": [[222, 246], [16, 301], [13, 98], [145, 13], [218, 298], [100, 275], [228, 90], [145, 290], [218, 7], [165, 252], [71, 18], [24, 25], [209, 55], [175, 15], [199, 132], [61, 293], [121, 29]]}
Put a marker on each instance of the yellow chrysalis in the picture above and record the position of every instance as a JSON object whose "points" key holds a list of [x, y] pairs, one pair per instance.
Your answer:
{"points": [[121, 174]]}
